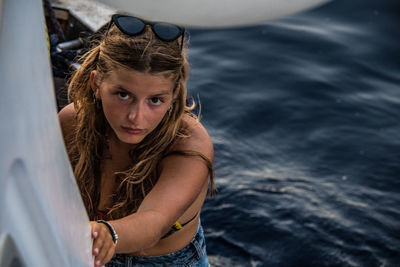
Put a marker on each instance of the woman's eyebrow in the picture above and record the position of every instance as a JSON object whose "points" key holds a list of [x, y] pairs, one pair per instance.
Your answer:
{"points": [[167, 92], [156, 94], [119, 87]]}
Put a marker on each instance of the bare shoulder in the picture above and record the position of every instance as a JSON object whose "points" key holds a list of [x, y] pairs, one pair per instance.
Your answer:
{"points": [[66, 117], [198, 139]]}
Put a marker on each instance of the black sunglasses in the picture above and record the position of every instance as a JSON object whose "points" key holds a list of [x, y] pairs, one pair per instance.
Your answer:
{"points": [[134, 26]]}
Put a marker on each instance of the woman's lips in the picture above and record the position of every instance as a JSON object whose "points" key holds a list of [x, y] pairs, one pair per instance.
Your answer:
{"points": [[132, 130]]}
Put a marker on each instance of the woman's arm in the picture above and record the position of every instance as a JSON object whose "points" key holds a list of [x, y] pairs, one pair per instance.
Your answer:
{"points": [[66, 116], [179, 185]]}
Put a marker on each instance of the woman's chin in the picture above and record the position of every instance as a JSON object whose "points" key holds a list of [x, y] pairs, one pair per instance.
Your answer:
{"points": [[130, 139]]}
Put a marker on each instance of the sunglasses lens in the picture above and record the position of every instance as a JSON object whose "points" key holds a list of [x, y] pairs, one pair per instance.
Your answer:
{"points": [[131, 25], [167, 32]]}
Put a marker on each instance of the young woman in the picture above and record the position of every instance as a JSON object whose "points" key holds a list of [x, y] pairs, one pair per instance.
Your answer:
{"points": [[142, 160]]}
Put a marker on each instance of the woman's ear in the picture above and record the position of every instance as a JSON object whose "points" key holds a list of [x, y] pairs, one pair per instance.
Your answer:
{"points": [[93, 85]]}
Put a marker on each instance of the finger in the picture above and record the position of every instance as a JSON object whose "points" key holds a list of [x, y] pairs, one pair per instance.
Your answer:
{"points": [[109, 255], [95, 235], [97, 263], [95, 251], [97, 246], [95, 229], [105, 251]]}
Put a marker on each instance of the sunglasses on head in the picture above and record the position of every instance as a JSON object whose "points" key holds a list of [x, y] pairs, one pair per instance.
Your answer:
{"points": [[133, 26]]}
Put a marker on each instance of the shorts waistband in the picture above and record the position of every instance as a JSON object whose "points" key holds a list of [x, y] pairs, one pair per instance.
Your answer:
{"points": [[186, 256]]}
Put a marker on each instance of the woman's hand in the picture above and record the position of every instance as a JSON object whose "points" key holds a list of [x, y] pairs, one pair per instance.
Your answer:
{"points": [[103, 244]]}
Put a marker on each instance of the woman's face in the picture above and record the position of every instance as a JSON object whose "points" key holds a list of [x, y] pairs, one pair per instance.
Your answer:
{"points": [[134, 103]]}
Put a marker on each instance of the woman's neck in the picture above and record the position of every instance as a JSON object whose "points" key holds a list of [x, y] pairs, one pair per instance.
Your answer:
{"points": [[118, 152], [112, 137]]}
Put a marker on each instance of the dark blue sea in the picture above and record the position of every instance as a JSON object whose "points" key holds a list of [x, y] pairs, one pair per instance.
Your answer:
{"points": [[304, 113]]}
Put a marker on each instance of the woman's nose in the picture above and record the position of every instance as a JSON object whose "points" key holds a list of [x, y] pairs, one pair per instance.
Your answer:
{"points": [[136, 113]]}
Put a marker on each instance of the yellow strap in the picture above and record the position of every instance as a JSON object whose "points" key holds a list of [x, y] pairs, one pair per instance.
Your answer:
{"points": [[178, 226]]}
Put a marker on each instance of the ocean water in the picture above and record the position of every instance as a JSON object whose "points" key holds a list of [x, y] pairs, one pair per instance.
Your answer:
{"points": [[304, 116]]}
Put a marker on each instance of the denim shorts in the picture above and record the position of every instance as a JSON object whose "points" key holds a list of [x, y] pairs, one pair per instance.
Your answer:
{"points": [[192, 255]]}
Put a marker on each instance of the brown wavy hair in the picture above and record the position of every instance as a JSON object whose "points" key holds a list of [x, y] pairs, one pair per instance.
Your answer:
{"points": [[143, 53]]}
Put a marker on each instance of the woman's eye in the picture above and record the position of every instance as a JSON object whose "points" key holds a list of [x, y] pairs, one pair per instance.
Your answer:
{"points": [[156, 101], [123, 95]]}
